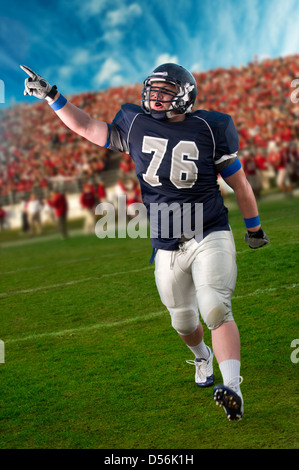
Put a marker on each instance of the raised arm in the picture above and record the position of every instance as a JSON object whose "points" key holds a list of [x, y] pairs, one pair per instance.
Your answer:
{"points": [[74, 118], [81, 123]]}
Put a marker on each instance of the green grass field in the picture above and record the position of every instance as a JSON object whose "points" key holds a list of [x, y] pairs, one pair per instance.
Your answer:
{"points": [[91, 360]]}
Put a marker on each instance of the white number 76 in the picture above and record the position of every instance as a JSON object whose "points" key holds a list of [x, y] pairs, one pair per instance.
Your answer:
{"points": [[183, 171]]}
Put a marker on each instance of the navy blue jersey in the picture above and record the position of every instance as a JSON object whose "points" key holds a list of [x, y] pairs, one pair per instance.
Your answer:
{"points": [[178, 162]]}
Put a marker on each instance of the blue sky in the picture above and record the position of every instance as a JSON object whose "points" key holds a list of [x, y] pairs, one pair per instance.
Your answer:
{"points": [[82, 45]]}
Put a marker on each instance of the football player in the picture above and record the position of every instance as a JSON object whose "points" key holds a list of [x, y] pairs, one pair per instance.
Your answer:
{"points": [[178, 155]]}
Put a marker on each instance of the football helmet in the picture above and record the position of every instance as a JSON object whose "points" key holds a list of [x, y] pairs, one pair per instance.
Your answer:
{"points": [[181, 100]]}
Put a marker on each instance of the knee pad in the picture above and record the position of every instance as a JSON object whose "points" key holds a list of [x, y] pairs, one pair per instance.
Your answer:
{"points": [[213, 308], [184, 321], [216, 316]]}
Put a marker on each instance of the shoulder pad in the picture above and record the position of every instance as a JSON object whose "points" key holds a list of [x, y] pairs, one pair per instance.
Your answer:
{"points": [[213, 117], [126, 114]]}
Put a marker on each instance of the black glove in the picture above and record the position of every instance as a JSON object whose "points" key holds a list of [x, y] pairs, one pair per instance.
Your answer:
{"points": [[256, 239], [36, 86]]}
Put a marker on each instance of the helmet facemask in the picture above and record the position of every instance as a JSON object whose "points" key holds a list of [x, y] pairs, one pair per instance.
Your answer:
{"points": [[179, 101]]}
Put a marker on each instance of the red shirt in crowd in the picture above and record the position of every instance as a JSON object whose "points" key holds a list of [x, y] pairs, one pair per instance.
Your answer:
{"points": [[261, 162], [277, 160], [88, 200], [2, 214], [249, 166], [101, 192], [59, 202]]}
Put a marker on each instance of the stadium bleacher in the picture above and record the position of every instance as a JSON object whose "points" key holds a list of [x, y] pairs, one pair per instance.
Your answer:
{"points": [[38, 152]]}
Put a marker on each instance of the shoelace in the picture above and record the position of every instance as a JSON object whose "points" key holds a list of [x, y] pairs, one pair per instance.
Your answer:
{"points": [[235, 387], [198, 366]]}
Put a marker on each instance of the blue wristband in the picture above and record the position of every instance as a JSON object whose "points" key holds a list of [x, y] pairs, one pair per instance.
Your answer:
{"points": [[59, 103], [252, 222]]}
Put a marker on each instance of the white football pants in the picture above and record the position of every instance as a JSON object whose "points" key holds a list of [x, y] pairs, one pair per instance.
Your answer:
{"points": [[198, 276]]}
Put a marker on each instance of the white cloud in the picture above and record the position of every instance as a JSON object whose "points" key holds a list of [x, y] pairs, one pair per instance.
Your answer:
{"points": [[166, 58], [90, 8], [82, 56], [117, 80], [283, 27], [65, 72], [75, 64], [196, 67], [108, 73], [123, 15], [113, 36]]}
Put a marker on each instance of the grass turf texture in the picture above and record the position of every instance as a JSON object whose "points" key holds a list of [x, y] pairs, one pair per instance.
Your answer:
{"points": [[91, 360]]}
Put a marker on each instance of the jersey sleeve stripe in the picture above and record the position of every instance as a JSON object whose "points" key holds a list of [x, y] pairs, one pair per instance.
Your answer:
{"points": [[212, 135], [224, 158], [130, 128]]}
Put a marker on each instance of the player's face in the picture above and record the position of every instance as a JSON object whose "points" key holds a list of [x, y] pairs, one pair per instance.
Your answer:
{"points": [[161, 95]]}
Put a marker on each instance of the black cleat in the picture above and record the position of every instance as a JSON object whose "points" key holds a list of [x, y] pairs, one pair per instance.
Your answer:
{"points": [[230, 400]]}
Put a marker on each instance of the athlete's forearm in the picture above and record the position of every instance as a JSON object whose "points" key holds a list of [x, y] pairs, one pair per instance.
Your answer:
{"points": [[247, 204], [245, 198], [80, 122]]}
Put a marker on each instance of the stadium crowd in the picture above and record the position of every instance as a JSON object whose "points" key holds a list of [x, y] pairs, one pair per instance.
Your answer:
{"points": [[38, 154]]}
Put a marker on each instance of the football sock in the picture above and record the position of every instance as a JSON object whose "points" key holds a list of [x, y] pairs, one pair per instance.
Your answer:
{"points": [[230, 371], [200, 351]]}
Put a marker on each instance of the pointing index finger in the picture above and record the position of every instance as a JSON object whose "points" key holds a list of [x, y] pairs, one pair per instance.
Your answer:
{"points": [[28, 71]]}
